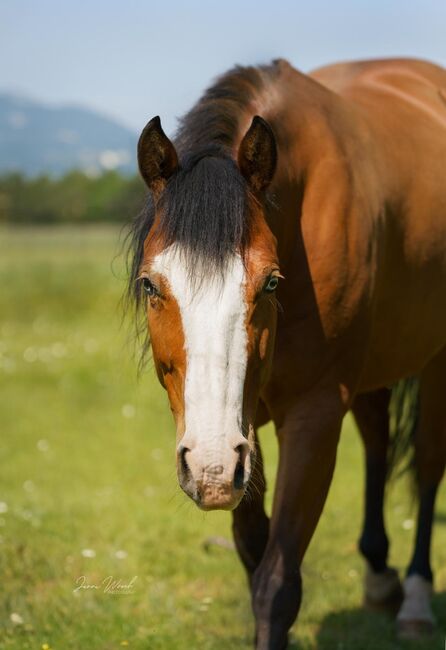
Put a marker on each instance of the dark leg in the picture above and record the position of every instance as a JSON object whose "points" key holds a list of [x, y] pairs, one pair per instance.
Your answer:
{"points": [[420, 563], [308, 435], [415, 617], [373, 543], [371, 414], [382, 588], [250, 524]]}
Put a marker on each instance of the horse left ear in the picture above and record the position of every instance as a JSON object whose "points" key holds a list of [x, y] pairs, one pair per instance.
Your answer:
{"points": [[257, 155], [157, 158]]}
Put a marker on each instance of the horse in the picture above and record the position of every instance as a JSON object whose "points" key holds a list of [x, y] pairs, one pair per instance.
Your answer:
{"points": [[291, 264]]}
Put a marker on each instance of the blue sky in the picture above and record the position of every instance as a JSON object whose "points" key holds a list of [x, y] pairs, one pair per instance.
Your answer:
{"points": [[136, 59]]}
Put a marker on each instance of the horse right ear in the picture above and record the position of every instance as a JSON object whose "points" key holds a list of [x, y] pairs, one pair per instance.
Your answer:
{"points": [[157, 158]]}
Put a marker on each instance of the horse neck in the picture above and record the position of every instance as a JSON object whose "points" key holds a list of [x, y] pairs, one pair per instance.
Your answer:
{"points": [[318, 136]]}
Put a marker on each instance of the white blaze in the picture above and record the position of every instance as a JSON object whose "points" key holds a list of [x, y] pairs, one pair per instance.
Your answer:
{"points": [[213, 315]]}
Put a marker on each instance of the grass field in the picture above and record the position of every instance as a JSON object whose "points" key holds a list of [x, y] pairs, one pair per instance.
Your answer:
{"points": [[88, 486]]}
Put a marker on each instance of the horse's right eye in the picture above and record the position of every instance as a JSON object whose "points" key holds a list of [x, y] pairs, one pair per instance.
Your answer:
{"points": [[149, 287]]}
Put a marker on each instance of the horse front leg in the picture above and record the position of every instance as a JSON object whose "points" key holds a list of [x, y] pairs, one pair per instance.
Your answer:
{"points": [[308, 437], [250, 524]]}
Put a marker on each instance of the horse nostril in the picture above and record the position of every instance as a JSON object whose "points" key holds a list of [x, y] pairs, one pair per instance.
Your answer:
{"points": [[185, 469], [239, 474]]}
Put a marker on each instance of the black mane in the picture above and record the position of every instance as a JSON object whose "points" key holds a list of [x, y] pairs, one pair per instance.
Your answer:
{"points": [[204, 205], [215, 117]]}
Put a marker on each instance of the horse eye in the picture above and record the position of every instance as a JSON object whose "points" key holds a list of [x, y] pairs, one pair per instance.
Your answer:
{"points": [[271, 284], [149, 288]]}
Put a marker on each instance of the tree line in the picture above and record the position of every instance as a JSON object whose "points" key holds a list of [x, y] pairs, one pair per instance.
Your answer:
{"points": [[73, 198]]}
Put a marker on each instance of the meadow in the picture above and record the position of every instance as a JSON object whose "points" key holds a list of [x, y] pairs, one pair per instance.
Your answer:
{"points": [[88, 486]]}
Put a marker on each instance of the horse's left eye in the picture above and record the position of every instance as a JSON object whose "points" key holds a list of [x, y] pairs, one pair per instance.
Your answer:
{"points": [[149, 287], [271, 284]]}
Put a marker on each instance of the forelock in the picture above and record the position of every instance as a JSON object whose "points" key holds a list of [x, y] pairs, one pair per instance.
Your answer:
{"points": [[204, 211]]}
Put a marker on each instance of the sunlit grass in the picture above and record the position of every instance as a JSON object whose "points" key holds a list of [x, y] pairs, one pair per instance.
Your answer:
{"points": [[88, 485]]}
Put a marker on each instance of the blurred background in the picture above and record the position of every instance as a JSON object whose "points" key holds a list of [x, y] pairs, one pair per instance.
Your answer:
{"points": [[80, 80], [87, 481]]}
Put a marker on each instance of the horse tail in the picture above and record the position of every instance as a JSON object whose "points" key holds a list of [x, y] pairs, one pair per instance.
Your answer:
{"points": [[404, 409]]}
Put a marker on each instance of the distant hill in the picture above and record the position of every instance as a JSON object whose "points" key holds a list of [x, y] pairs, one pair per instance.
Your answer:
{"points": [[36, 138]]}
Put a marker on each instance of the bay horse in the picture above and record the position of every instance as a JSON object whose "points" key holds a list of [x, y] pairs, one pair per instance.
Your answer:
{"points": [[291, 261]]}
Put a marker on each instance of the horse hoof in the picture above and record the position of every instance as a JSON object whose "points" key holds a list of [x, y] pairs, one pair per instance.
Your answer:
{"points": [[415, 619], [383, 591], [414, 630]]}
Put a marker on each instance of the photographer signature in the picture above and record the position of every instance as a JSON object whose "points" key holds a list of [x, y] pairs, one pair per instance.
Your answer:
{"points": [[109, 585]]}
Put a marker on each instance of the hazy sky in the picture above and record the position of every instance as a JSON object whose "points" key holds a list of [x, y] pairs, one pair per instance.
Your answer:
{"points": [[135, 59]]}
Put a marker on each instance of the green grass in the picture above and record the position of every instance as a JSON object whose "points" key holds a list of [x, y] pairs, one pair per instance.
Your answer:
{"points": [[87, 462]]}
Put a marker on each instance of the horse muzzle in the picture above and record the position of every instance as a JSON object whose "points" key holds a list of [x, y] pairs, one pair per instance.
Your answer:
{"points": [[216, 479]]}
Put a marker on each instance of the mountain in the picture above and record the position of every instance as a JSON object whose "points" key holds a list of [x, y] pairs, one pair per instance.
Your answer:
{"points": [[36, 138]]}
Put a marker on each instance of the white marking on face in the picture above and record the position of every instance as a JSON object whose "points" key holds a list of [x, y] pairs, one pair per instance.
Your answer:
{"points": [[213, 315]]}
